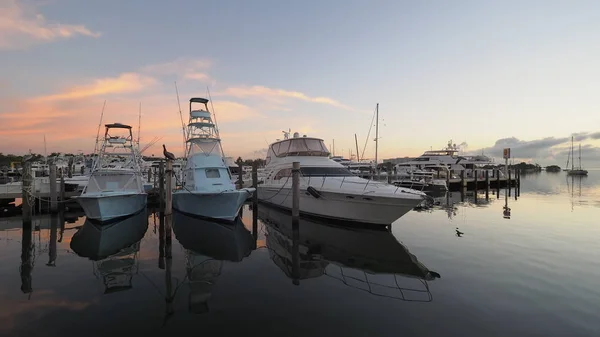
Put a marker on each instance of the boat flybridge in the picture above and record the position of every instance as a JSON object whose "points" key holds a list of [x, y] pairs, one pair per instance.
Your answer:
{"points": [[444, 161], [327, 188], [207, 190], [114, 191]]}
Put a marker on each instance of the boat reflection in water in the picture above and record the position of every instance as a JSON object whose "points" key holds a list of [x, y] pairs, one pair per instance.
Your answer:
{"points": [[365, 259], [207, 244], [113, 246]]}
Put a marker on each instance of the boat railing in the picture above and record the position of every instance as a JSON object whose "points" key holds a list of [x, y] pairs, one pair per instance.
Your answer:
{"points": [[366, 184], [403, 293]]}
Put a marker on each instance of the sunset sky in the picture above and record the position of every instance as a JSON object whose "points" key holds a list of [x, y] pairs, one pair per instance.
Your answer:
{"points": [[488, 74]]}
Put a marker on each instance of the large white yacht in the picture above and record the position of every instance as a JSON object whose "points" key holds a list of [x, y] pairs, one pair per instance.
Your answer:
{"points": [[444, 161], [207, 189], [327, 188], [114, 191]]}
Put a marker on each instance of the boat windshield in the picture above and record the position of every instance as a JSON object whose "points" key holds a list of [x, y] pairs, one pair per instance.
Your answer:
{"points": [[112, 182], [207, 147], [325, 172], [300, 147]]}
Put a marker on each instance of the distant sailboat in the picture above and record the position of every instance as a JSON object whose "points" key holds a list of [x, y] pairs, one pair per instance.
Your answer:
{"points": [[579, 171]]}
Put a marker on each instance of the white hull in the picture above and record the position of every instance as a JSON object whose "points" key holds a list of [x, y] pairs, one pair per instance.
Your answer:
{"points": [[215, 205], [368, 209], [104, 207]]}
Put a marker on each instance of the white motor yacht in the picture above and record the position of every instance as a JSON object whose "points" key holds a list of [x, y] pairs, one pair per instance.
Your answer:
{"points": [[207, 190], [327, 188], [114, 191]]}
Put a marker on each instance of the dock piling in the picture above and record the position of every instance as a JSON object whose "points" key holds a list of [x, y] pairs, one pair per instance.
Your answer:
{"points": [[161, 185], [62, 193], [53, 191], [487, 184], [169, 189], [255, 201], [26, 189]]}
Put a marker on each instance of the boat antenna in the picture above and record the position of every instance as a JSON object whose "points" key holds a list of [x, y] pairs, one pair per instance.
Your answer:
{"points": [[376, 133], [213, 111], [139, 125], [99, 126], [357, 153], [362, 155], [45, 151], [182, 123]]}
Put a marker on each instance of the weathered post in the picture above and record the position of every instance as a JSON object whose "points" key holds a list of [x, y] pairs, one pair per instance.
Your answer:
{"points": [[487, 184], [53, 191], [476, 180], [255, 201], [295, 222], [295, 191], [26, 185], [169, 188], [62, 193], [161, 185]]}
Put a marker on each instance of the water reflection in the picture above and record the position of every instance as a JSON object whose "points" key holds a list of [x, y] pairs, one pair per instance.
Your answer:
{"points": [[207, 244], [113, 248], [365, 259]]}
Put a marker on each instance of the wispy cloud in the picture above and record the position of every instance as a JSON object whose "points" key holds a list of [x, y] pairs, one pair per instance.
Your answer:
{"points": [[22, 25], [124, 83], [184, 68], [265, 92]]}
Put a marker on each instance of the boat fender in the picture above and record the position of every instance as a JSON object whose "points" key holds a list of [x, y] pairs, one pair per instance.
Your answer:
{"points": [[313, 191]]}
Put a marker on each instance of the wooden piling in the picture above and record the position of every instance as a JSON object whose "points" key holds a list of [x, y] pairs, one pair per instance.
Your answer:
{"points": [[509, 181], [476, 180], [240, 181], [295, 191], [255, 201], [53, 191], [155, 178], [161, 185], [487, 184], [26, 184], [463, 182], [296, 222], [61, 193], [169, 188]]}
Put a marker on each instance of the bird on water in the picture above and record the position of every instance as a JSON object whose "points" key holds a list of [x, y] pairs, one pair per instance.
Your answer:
{"points": [[168, 154]]}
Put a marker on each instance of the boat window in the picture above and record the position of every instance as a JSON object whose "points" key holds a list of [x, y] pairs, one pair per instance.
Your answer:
{"points": [[325, 172], [300, 147], [212, 173], [421, 159], [283, 174]]}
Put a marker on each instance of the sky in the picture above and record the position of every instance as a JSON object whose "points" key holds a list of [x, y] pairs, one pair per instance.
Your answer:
{"points": [[485, 74]]}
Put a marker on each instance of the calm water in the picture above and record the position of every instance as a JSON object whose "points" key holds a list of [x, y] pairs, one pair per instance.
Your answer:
{"points": [[535, 272]]}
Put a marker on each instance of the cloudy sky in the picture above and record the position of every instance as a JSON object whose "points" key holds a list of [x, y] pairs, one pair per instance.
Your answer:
{"points": [[489, 74]]}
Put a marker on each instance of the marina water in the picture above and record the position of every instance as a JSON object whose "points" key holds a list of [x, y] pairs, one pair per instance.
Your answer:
{"points": [[506, 267]]}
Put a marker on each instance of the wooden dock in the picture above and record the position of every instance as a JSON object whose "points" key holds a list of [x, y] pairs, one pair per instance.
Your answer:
{"points": [[477, 180]]}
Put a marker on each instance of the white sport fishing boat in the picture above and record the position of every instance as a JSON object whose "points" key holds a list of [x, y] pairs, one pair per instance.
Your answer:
{"points": [[207, 189], [114, 191], [327, 188]]}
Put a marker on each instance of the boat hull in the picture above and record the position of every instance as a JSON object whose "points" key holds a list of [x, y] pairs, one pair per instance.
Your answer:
{"points": [[224, 205], [350, 207], [105, 207]]}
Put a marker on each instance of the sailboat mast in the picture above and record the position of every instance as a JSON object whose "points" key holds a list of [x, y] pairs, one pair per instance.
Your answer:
{"points": [[376, 132], [139, 125], [334, 147], [357, 153], [572, 160], [580, 156]]}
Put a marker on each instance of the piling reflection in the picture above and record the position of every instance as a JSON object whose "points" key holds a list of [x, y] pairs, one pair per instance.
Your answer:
{"points": [[207, 244], [365, 259], [113, 247]]}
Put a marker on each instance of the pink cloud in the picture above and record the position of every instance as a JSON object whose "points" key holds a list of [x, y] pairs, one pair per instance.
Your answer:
{"points": [[21, 25]]}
